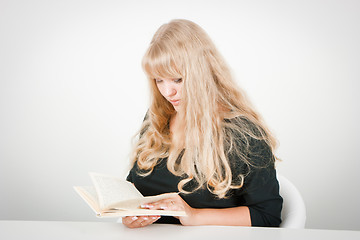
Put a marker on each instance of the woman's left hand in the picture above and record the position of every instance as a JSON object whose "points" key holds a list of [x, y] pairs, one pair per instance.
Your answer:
{"points": [[175, 204]]}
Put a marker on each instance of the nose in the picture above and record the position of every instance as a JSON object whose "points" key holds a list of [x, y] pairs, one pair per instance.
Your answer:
{"points": [[170, 91]]}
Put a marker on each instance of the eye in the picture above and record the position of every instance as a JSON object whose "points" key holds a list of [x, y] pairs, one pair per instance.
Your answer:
{"points": [[158, 80], [179, 80]]}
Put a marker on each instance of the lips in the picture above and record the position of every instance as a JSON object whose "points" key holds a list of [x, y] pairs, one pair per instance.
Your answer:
{"points": [[174, 102]]}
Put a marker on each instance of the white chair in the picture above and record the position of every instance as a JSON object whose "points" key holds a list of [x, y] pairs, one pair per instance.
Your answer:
{"points": [[294, 211]]}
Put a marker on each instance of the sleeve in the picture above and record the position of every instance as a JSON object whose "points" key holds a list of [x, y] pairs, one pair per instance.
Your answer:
{"points": [[260, 192], [263, 199], [129, 177]]}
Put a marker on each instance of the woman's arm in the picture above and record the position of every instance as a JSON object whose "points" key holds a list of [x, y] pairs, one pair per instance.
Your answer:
{"points": [[235, 216]]}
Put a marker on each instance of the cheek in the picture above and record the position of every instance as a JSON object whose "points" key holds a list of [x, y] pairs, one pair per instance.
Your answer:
{"points": [[179, 90], [161, 90]]}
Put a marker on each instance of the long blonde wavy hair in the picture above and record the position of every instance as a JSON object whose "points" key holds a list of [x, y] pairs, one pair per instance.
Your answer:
{"points": [[182, 49]]}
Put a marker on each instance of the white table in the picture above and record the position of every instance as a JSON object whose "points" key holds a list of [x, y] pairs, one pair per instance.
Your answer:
{"points": [[52, 230]]}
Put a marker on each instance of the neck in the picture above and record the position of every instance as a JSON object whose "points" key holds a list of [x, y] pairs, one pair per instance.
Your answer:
{"points": [[173, 122], [176, 129]]}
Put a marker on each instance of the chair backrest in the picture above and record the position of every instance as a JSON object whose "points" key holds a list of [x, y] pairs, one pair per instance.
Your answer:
{"points": [[294, 211]]}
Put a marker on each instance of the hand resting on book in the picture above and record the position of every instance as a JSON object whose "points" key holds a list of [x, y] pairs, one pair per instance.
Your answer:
{"points": [[175, 203]]}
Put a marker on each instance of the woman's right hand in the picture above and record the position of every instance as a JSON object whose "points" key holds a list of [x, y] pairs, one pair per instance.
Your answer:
{"points": [[139, 221]]}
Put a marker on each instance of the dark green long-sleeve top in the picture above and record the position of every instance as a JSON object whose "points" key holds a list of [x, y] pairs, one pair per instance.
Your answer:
{"points": [[260, 192]]}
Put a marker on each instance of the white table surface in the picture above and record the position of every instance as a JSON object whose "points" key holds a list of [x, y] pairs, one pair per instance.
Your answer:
{"points": [[53, 230]]}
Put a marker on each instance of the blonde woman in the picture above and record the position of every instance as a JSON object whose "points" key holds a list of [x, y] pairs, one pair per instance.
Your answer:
{"points": [[202, 138]]}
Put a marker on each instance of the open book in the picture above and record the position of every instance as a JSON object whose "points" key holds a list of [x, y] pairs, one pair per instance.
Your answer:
{"points": [[113, 197]]}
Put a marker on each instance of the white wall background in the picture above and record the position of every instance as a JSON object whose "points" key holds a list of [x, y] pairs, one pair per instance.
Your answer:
{"points": [[72, 94]]}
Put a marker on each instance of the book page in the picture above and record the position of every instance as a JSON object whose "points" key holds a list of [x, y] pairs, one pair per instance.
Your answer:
{"points": [[88, 193], [112, 190], [90, 190]]}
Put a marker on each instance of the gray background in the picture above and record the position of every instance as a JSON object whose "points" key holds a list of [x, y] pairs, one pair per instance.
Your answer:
{"points": [[72, 94]]}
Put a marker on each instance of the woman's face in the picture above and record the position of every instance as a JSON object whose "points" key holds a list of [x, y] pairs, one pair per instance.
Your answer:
{"points": [[170, 88]]}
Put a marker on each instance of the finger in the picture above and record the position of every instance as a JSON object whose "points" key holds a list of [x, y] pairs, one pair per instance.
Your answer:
{"points": [[142, 221], [134, 222], [173, 201], [149, 220], [130, 221], [146, 220], [168, 204], [127, 221]]}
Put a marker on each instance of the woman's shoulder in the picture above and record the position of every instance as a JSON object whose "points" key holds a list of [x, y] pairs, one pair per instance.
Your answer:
{"points": [[247, 141], [242, 123]]}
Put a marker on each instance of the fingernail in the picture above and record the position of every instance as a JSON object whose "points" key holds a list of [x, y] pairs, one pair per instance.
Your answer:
{"points": [[134, 218], [146, 206], [145, 218]]}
